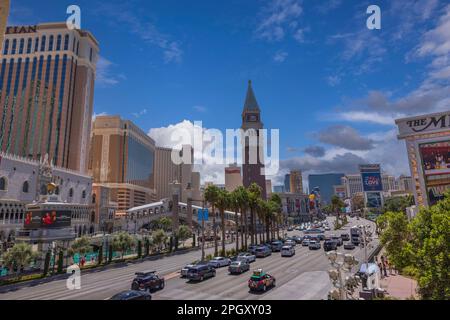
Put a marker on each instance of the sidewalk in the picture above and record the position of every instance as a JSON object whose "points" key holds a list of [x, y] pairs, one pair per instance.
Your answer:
{"points": [[400, 287]]}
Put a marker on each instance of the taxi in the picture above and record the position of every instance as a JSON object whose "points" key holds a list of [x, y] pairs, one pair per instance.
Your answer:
{"points": [[261, 281]]}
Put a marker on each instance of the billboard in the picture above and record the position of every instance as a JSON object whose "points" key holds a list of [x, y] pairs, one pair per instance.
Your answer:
{"points": [[371, 177], [374, 200], [47, 219], [435, 158]]}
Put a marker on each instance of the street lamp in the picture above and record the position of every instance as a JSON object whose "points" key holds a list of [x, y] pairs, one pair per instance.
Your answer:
{"points": [[343, 285]]}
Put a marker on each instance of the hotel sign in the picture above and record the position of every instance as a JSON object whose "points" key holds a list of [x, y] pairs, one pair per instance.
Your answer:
{"points": [[436, 122], [21, 29]]}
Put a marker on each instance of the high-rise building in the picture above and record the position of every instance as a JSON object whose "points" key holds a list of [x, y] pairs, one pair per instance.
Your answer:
{"points": [[296, 181], [269, 187], [166, 172], [4, 13], [353, 184], [278, 189], [122, 158], [326, 183], [287, 183], [233, 178], [405, 183], [47, 78], [253, 165]]}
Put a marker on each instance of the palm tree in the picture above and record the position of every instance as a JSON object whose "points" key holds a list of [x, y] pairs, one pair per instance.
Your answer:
{"points": [[183, 233], [336, 204], [254, 194], [122, 242], [19, 256], [243, 202], [234, 205], [210, 195], [223, 203], [158, 238], [80, 246], [165, 223], [277, 205]]}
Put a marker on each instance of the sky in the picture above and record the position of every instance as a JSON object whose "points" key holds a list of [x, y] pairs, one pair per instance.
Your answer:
{"points": [[329, 84]]}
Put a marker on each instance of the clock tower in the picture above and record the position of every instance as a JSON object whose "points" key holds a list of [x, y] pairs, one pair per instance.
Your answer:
{"points": [[252, 165]]}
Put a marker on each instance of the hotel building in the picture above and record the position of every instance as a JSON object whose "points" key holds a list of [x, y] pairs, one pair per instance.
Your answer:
{"points": [[122, 158], [427, 140], [233, 177], [4, 13], [296, 181], [47, 75]]}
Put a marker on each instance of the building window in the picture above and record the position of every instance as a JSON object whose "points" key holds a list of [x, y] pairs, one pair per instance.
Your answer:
{"points": [[90, 55], [3, 184], [70, 193], [25, 187], [58, 43], [36, 45], [50, 43], [6, 48], [29, 44], [43, 42], [14, 45], [83, 194], [66, 42], [94, 196], [22, 44]]}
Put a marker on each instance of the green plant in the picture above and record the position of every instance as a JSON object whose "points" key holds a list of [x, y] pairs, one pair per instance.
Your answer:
{"points": [[139, 249], [122, 242], [60, 261], [46, 263], [19, 256], [80, 246]]}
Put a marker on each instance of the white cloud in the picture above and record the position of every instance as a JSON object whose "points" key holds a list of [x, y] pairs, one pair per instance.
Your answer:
{"points": [[280, 56], [105, 76], [95, 115], [199, 108], [372, 117], [277, 17], [140, 113], [333, 80]]}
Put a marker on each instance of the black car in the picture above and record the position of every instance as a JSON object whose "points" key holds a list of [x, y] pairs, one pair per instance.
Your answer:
{"points": [[345, 237], [298, 239], [201, 272], [349, 246], [147, 280], [329, 245], [338, 240], [320, 236], [132, 295]]}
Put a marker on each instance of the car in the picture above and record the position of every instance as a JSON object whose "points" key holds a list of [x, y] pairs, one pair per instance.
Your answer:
{"points": [[247, 256], [290, 229], [305, 242], [261, 281], [218, 262], [132, 295], [349, 246], [238, 266], [147, 280], [338, 239], [345, 237], [262, 252], [252, 248], [329, 245], [327, 228], [290, 242], [298, 239], [201, 272], [314, 245], [287, 251], [320, 236], [276, 246], [185, 269]]}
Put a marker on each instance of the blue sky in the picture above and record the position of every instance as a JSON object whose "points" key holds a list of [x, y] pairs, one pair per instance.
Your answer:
{"points": [[330, 85]]}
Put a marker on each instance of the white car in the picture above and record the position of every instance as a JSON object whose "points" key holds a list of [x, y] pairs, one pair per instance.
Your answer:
{"points": [[287, 251], [218, 262], [247, 256]]}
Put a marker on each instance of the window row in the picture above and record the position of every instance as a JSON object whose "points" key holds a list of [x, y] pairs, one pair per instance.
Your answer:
{"points": [[37, 44]]}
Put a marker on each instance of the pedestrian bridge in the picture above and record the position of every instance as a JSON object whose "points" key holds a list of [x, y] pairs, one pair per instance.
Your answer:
{"points": [[137, 217]]}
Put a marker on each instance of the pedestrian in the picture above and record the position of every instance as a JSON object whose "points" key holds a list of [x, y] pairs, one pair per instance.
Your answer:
{"points": [[380, 266], [388, 266]]}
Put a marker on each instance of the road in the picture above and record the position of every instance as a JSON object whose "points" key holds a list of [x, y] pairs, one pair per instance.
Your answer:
{"points": [[307, 267]]}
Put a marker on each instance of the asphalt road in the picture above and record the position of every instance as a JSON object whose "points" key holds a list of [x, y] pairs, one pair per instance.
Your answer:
{"points": [[307, 268]]}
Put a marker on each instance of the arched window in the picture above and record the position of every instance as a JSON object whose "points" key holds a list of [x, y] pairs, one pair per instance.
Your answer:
{"points": [[66, 42], [6, 47], [3, 183], [71, 193], [25, 187], [43, 42], [29, 45], [94, 196], [50, 43], [83, 194], [57, 190], [14, 46], [21, 45]]}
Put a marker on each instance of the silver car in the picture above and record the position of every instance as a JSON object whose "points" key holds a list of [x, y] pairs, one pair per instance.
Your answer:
{"points": [[314, 245], [218, 262], [247, 256], [238, 266]]}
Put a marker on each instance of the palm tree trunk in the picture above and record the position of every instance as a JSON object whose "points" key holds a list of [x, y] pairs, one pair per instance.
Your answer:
{"points": [[236, 221], [245, 225], [242, 228], [216, 245], [222, 218], [252, 230]]}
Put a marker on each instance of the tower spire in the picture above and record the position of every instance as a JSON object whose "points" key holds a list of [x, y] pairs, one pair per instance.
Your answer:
{"points": [[250, 100]]}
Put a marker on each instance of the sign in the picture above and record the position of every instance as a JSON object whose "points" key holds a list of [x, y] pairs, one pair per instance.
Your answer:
{"points": [[436, 122], [371, 177], [203, 214], [435, 158], [21, 29], [374, 200], [47, 219]]}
